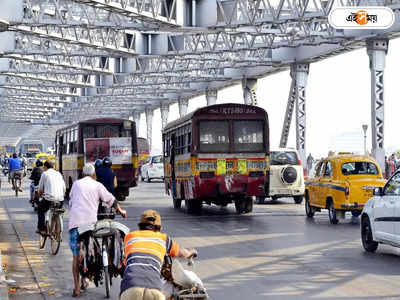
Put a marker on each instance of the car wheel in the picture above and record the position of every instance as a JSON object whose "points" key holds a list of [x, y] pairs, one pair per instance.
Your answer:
{"points": [[274, 199], [298, 199], [141, 177], [332, 213], [148, 178], [366, 236], [309, 209]]}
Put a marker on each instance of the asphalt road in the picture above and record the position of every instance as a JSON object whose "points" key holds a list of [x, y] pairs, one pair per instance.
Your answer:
{"points": [[273, 253]]}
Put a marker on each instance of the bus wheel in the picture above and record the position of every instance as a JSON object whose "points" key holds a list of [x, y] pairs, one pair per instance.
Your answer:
{"points": [[240, 205], [177, 203], [248, 205], [193, 206]]}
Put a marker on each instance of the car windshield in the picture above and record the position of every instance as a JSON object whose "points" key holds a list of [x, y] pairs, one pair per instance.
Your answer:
{"points": [[359, 168], [157, 159], [284, 158]]}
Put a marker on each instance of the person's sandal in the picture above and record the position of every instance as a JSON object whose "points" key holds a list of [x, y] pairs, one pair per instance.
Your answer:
{"points": [[84, 285], [74, 294]]}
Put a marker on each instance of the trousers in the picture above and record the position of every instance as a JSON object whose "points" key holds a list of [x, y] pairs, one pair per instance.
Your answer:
{"points": [[138, 293]]}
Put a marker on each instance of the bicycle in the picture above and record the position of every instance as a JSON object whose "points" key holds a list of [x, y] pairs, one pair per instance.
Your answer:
{"points": [[54, 228], [15, 178], [97, 244]]}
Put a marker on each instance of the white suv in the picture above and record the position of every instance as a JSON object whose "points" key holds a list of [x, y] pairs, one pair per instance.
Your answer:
{"points": [[286, 175], [153, 169], [381, 215]]}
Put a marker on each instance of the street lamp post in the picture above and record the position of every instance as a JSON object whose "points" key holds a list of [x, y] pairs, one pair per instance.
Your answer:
{"points": [[365, 127]]}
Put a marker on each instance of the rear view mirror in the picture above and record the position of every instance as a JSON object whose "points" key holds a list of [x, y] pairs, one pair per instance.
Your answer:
{"points": [[378, 191]]}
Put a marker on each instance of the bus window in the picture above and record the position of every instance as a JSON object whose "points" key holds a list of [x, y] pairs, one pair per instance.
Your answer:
{"points": [[189, 141], [214, 136], [248, 136], [88, 132], [107, 131]]}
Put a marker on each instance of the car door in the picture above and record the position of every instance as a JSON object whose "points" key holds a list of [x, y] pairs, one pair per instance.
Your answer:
{"points": [[385, 209], [318, 186], [312, 184], [395, 201], [324, 183]]}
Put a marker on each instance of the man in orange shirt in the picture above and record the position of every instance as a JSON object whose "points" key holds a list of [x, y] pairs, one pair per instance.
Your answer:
{"points": [[144, 254]]}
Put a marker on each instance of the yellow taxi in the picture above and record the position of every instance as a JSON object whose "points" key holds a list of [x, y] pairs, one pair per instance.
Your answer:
{"points": [[45, 156], [342, 183]]}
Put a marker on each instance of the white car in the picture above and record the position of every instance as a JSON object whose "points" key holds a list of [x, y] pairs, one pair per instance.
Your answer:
{"points": [[380, 218], [286, 175], [153, 168]]}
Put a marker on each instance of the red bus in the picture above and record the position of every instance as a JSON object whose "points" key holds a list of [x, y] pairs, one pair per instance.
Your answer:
{"points": [[95, 139], [217, 154]]}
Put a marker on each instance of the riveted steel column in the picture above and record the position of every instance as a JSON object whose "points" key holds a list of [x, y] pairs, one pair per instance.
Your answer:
{"points": [[164, 108], [136, 118], [377, 49], [183, 106], [289, 109], [211, 97], [301, 74], [149, 122], [249, 86]]}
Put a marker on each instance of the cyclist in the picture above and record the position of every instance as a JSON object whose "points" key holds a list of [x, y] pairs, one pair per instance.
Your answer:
{"points": [[52, 188], [144, 254], [85, 197], [106, 176], [15, 168], [35, 177]]}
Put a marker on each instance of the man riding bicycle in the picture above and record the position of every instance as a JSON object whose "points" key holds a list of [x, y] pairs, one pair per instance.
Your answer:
{"points": [[52, 188], [144, 253], [85, 197], [35, 177], [15, 167]]}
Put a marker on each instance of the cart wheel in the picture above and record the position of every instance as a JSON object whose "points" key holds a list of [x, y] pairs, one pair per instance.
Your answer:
{"points": [[107, 281]]}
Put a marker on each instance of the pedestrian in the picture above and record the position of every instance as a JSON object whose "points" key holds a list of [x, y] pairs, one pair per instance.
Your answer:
{"points": [[310, 161], [85, 197], [144, 255], [52, 188], [386, 167]]}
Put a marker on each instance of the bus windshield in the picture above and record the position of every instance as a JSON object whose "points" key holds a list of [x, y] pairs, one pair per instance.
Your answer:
{"points": [[214, 136], [248, 136]]}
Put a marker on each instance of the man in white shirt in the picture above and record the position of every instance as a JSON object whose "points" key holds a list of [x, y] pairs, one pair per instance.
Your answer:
{"points": [[85, 197], [52, 189]]}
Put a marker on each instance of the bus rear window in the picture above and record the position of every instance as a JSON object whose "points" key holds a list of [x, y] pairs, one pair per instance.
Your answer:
{"points": [[107, 131], [214, 136], [248, 136]]}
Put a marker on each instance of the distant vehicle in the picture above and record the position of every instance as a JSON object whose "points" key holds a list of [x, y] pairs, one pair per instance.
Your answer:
{"points": [[380, 216], [95, 139], [143, 150], [153, 168], [31, 147], [286, 177], [217, 154], [342, 183]]}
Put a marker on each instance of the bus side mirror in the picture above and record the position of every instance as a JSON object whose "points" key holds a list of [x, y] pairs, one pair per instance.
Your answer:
{"points": [[378, 191]]}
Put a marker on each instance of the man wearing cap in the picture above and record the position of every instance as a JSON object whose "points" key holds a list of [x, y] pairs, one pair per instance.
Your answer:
{"points": [[144, 255], [85, 197]]}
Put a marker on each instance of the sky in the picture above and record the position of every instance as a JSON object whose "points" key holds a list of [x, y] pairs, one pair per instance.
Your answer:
{"points": [[338, 102]]}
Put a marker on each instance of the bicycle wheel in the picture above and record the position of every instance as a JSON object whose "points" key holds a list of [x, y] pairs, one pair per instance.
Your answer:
{"points": [[42, 239], [107, 281], [55, 234]]}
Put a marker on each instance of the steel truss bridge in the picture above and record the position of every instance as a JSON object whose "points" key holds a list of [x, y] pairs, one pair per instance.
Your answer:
{"points": [[67, 60]]}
